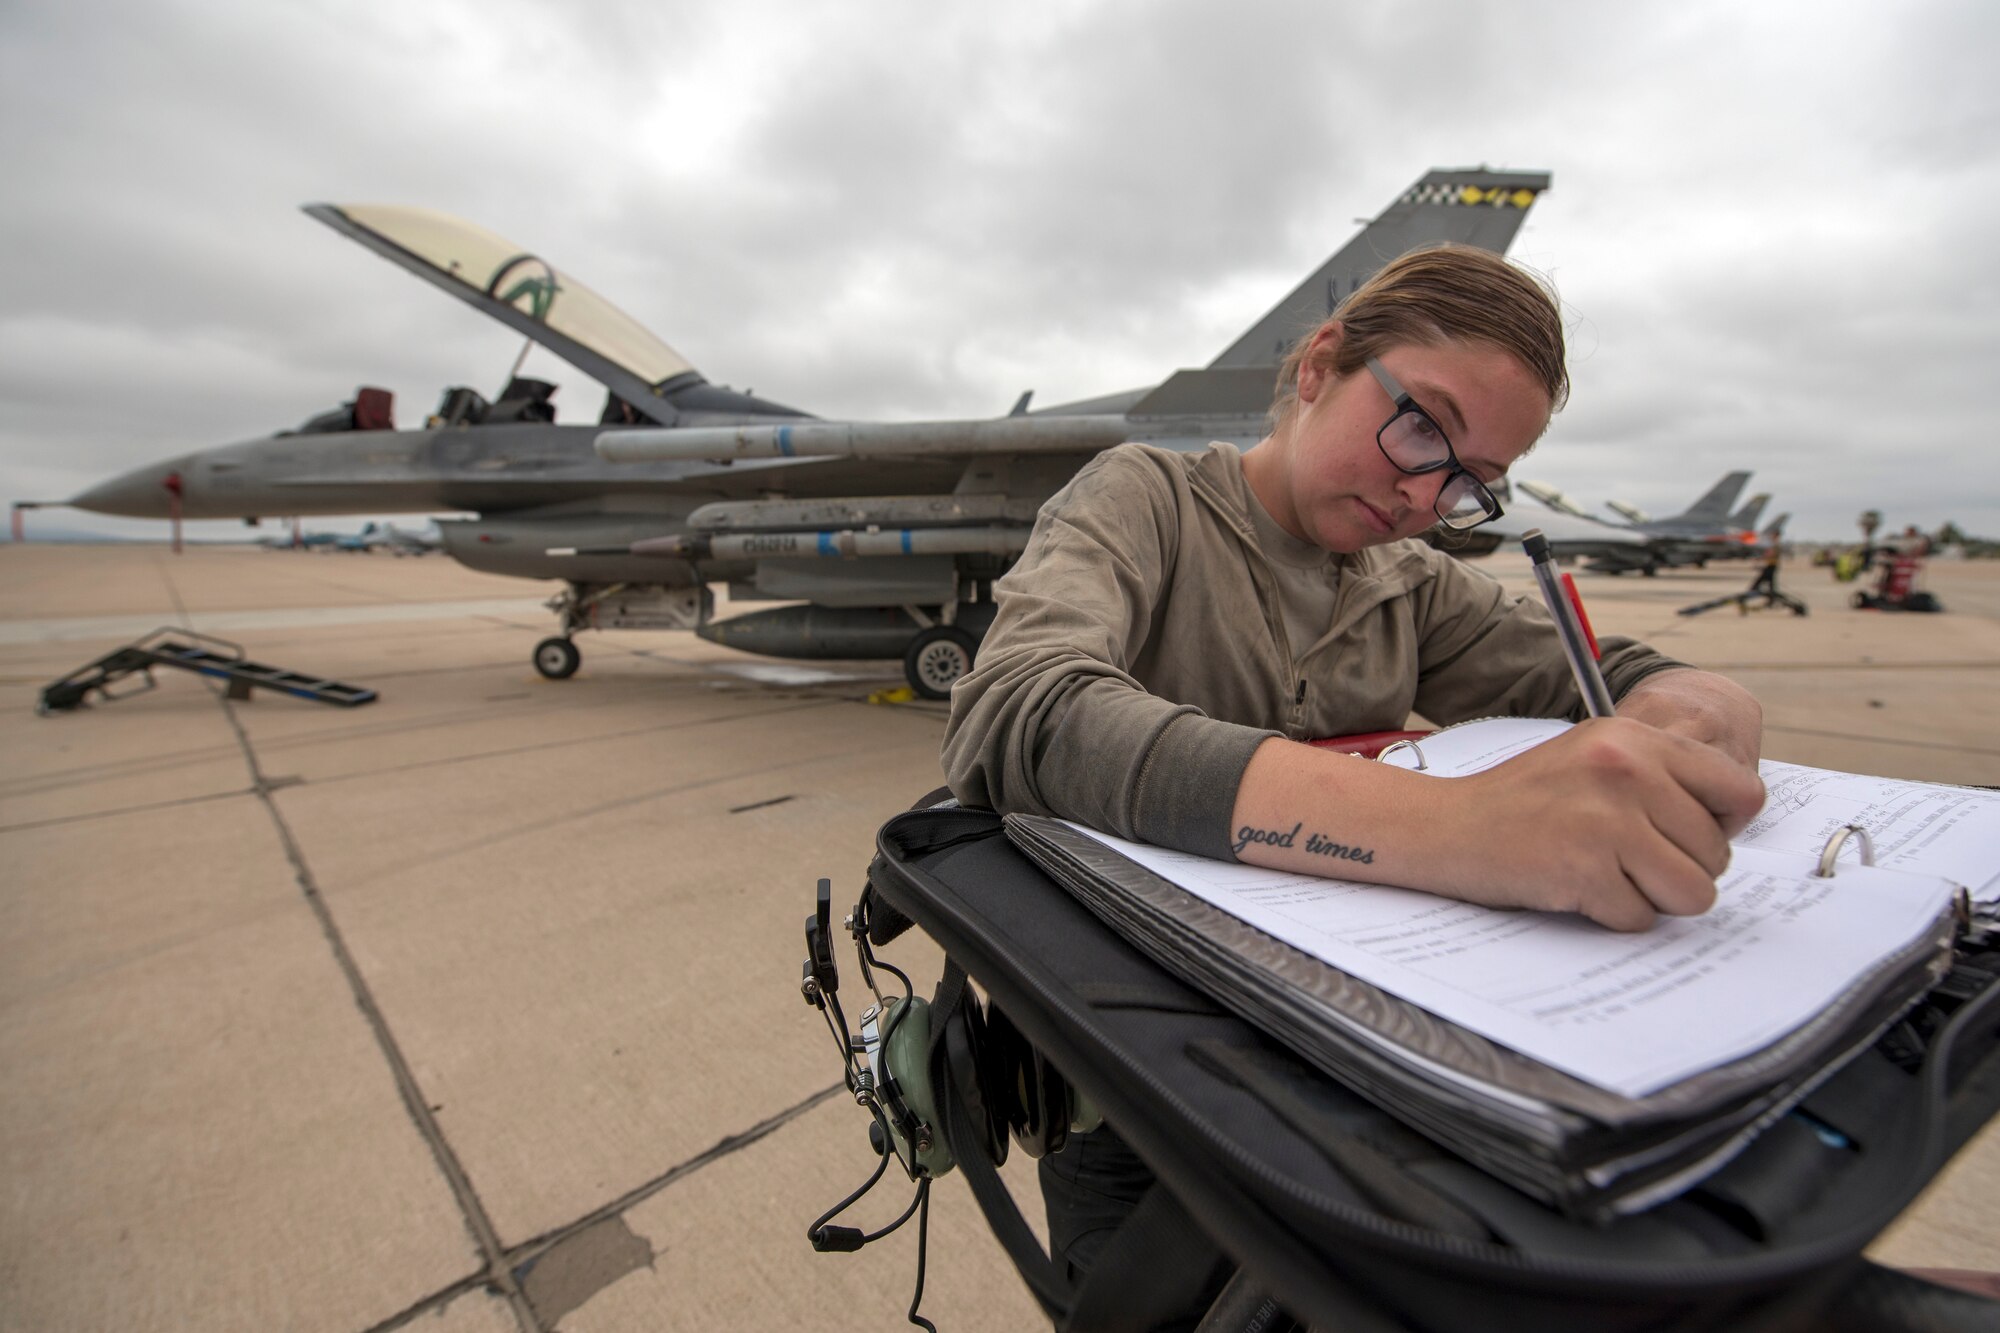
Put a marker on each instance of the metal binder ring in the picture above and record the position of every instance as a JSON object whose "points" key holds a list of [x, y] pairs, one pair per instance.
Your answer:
{"points": [[1839, 840], [1411, 746]]}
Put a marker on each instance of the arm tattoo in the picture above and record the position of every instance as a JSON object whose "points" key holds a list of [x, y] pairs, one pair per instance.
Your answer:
{"points": [[1317, 844]]}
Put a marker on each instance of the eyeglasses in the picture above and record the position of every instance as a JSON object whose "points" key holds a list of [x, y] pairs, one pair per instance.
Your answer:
{"points": [[1413, 441]]}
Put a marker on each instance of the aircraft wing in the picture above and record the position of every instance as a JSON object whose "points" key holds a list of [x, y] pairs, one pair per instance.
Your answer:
{"points": [[499, 278]]}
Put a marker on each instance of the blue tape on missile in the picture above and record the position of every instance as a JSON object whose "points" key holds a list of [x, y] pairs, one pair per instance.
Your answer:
{"points": [[785, 441], [826, 546], [906, 541]]}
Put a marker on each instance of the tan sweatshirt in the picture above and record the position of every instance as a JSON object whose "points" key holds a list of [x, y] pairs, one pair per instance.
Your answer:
{"points": [[1139, 653]]}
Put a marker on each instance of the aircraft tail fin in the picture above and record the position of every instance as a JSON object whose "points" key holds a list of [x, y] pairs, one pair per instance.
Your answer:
{"points": [[1471, 205], [1752, 510], [1715, 505]]}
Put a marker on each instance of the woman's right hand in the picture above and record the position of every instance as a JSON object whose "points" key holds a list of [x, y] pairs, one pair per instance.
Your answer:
{"points": [[1614, 819]]}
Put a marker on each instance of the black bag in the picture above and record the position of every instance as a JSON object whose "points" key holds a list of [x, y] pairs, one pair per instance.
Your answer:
{"points": [[1352, 1221]]}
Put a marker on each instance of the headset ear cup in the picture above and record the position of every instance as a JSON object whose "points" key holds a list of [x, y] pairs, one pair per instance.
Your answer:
{"points": [[905, 1062]]}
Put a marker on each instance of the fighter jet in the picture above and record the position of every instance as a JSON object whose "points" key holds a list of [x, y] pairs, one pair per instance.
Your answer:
{"points": [[1571, 534], [885, 538], [1694, 536]]}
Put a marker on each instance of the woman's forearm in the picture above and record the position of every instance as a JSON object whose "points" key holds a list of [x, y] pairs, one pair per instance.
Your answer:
{"points": [[1614, 819]]}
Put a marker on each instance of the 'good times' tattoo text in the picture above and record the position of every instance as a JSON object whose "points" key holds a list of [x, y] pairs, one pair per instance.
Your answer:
{"points": [[1316, 844]]}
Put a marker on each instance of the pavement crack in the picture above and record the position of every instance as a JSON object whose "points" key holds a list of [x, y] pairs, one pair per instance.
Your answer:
{"points": [[549, 823], [527, 1256], [528, 1251], [430, 1305], [498, 1274]]}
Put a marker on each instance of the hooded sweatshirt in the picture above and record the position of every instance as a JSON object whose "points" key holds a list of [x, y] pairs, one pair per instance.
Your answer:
{"points": [[1140, 651]]}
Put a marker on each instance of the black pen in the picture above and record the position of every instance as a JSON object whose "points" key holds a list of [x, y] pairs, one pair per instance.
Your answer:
{"points": [[1582, 662]]}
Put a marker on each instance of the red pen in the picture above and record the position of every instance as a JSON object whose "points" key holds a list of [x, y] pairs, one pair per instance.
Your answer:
{"points": [[1582, 616]]}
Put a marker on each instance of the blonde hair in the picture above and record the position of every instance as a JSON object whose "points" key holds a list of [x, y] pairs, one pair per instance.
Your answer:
{"points": [[1431, 296]]}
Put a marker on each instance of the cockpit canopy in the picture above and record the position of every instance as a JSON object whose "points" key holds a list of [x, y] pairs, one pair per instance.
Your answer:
{"points": [[452, 252]]}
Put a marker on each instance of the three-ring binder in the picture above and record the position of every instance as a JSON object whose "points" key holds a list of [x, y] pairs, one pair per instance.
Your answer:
{"points": [[1839, 840], [1411, 746]]}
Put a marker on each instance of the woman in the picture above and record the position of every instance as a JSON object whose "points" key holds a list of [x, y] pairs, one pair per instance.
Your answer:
{"points": [[1181, 622]]}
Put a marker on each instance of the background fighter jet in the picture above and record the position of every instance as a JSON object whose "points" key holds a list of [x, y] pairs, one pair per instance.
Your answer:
{"points": [[1705, 531], [885, 538]]}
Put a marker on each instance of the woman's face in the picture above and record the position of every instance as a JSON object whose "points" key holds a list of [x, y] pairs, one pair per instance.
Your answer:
{"points": [[1335, 487]]}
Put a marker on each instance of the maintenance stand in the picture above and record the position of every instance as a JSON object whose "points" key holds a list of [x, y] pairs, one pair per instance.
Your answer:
{"points": [[190, 651]]}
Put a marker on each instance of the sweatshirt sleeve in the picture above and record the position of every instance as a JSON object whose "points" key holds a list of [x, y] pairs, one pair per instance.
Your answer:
{"points": [[1051, 719], [1489, 653]]}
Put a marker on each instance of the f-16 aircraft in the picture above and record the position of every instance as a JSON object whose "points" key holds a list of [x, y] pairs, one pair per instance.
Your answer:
{"points": [[885, 537], [1695, 535], [1705, 531], [1570, 534]]}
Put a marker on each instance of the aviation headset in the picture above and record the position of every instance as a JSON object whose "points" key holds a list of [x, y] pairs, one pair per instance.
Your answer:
{"points": [[938, 1078]]}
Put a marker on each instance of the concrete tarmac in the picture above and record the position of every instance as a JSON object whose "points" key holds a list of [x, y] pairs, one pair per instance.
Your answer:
{"points": [[477, 1008]]}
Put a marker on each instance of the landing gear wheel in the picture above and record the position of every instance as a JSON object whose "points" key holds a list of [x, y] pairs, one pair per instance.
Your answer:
{"points": [[557, 658], [937, 657]]}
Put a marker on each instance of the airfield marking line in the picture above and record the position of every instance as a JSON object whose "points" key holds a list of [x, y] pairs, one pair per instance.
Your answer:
{"points": [[622, 803], [565, 742], [86, 774], [90, 774], [473, 1212], [128, 810], [289, 744]]}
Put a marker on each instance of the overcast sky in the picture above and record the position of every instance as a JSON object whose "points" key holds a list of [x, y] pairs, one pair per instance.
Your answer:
{"points": [[1770, 224]]}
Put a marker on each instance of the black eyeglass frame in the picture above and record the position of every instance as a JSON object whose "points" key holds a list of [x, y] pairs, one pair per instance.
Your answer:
{"points": [[1406, 406]]}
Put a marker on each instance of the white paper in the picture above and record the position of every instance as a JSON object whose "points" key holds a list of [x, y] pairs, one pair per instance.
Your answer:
{"points": [[1921, 827], [1628, 1012], [1473, 747], [1916, 826]]}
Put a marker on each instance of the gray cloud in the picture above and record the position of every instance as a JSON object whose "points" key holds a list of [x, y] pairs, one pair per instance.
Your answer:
{"points": [[1767, 224]]}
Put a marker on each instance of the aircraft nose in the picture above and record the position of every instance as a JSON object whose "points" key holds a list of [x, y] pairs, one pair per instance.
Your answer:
{"points": [[145, 492]]}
